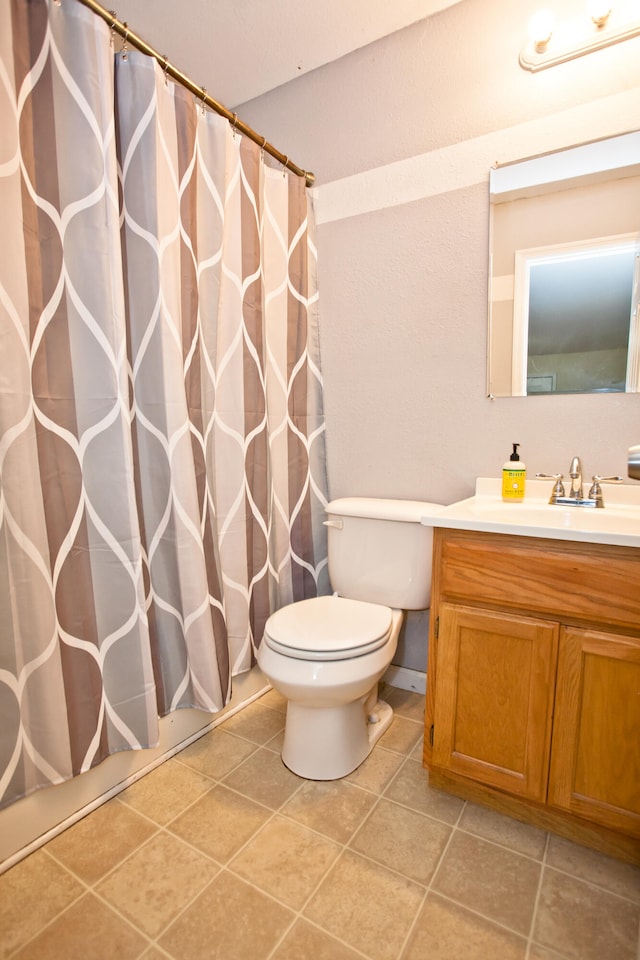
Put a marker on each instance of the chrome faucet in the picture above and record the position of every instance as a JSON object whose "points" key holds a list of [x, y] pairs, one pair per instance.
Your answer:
{"points": [[576, 497], [575, 472]]}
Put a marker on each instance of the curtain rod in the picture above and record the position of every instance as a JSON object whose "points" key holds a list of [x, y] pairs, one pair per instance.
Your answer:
{"points": [[109, 16]]}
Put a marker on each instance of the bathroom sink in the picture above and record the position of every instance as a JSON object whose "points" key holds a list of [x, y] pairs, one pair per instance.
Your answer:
{"points": [[618, 522]]}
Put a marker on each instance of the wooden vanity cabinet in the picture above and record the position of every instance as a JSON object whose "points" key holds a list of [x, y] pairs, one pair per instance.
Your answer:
{"points": [[533, 698]]}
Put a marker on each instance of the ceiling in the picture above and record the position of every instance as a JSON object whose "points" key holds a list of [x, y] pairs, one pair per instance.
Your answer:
{"points": [[240, 49]]}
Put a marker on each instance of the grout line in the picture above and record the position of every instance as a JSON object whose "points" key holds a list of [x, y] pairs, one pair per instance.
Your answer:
{"points": [[88, 892], [92, 888], [429, 886], [501, 846], [412, 925], [327, 933], [83, 893], [593, 883], [342, 848], [534, 912], [483, 916]]}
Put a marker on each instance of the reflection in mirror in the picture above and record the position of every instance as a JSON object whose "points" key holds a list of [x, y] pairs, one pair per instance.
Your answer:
{"points": [[560, 301], [564, 272]]}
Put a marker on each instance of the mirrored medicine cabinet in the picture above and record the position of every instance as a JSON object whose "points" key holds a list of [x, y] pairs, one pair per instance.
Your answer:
{"points": [[564, 272]]}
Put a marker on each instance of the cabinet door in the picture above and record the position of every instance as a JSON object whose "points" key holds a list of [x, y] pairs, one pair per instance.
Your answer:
{"points": [[494, 698], [595, 760]]}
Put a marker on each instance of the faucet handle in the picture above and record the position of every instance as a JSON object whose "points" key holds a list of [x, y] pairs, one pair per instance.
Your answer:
{"points": [[595, 493], [558, 487]]}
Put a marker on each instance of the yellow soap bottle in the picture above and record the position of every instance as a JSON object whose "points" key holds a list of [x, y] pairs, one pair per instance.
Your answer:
{"points": [[514, 475]]}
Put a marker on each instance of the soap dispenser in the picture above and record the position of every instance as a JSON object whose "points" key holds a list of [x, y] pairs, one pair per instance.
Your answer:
{"points": [[514, 474]]}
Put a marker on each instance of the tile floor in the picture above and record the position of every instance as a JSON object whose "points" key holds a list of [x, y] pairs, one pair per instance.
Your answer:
{"points": [[223, 853]]}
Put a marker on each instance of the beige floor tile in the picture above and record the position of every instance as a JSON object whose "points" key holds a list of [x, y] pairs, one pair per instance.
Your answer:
{"points": [[230, 920], [165, 792], [403, 840], [286, 860], [334, 808], [96, 844], [219, 823], [263, 777], [306, 942], [256, 723], [157, 882], [511, 833], [402, 736], [584, 922], [404, 703], [493, 881], [446, 931], [366, 906], [377, 770], [274, 700], [411, 787], [32, 893], [216, 754], [88, 929], [613, 875]]}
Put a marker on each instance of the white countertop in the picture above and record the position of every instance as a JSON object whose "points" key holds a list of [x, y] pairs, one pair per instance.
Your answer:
{"points": [[618, 522]]}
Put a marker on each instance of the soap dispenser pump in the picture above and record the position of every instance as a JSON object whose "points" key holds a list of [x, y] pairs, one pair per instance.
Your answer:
{"points": [[514, 474]]}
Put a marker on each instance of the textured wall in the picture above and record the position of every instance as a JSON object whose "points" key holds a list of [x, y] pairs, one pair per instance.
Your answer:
{"points": [[401, 136]]}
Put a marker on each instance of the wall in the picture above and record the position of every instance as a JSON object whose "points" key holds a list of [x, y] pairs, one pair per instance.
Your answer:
{"points": [[401, 136]]}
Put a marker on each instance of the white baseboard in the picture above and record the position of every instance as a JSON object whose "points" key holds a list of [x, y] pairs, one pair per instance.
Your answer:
{"points": [[406, 679]]}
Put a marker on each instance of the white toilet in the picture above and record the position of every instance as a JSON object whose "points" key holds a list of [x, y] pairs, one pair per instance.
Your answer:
{"points": [[326, 655]]}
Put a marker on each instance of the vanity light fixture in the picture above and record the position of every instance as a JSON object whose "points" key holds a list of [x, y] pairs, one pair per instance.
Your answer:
{"points": [[541, 29], [604, 23]]}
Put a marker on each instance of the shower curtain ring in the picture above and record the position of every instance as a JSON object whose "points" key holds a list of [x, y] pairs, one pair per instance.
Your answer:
{"points": [[203, 100], [233, 125], [125, 55], [284, 168], [112, 28], [165, 67], [262, 146]]}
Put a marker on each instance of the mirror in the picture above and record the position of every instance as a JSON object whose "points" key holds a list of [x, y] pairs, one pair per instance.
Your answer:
{"points": [[564, 272]]}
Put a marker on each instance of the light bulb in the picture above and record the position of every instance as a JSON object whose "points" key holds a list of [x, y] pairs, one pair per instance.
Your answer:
{"points": [[541, 28], [599, 11]]}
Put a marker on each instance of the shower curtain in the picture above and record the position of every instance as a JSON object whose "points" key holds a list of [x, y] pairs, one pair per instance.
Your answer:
{"points": [[162, 469]]}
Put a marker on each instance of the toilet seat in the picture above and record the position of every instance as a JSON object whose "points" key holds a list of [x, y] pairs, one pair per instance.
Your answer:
{"points": [[328, 628]]}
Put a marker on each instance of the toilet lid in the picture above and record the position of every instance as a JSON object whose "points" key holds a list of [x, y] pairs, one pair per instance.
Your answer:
{"points": [[328, 628]]}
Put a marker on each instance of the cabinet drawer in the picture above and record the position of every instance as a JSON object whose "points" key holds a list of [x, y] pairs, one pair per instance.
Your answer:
{"points": [[558, 579]]}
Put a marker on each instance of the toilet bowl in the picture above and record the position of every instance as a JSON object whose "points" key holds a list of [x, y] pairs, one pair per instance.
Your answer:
{"points": [[326, 654]]}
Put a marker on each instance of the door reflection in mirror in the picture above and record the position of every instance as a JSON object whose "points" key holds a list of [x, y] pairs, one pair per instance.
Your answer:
{"points": [[574, 305]]}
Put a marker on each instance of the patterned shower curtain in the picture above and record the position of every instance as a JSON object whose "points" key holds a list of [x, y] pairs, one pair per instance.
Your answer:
{"points": [[162, 472]]}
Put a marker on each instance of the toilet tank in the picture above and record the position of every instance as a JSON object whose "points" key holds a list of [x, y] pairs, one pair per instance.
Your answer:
{"points": [[380, 552]]}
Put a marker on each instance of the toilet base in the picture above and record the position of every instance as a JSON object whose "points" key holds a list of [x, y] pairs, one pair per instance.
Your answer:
{"points": [[327, 743]]}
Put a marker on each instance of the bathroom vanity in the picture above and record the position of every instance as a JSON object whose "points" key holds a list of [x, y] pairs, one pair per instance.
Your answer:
{"points": [[533, 689]]}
